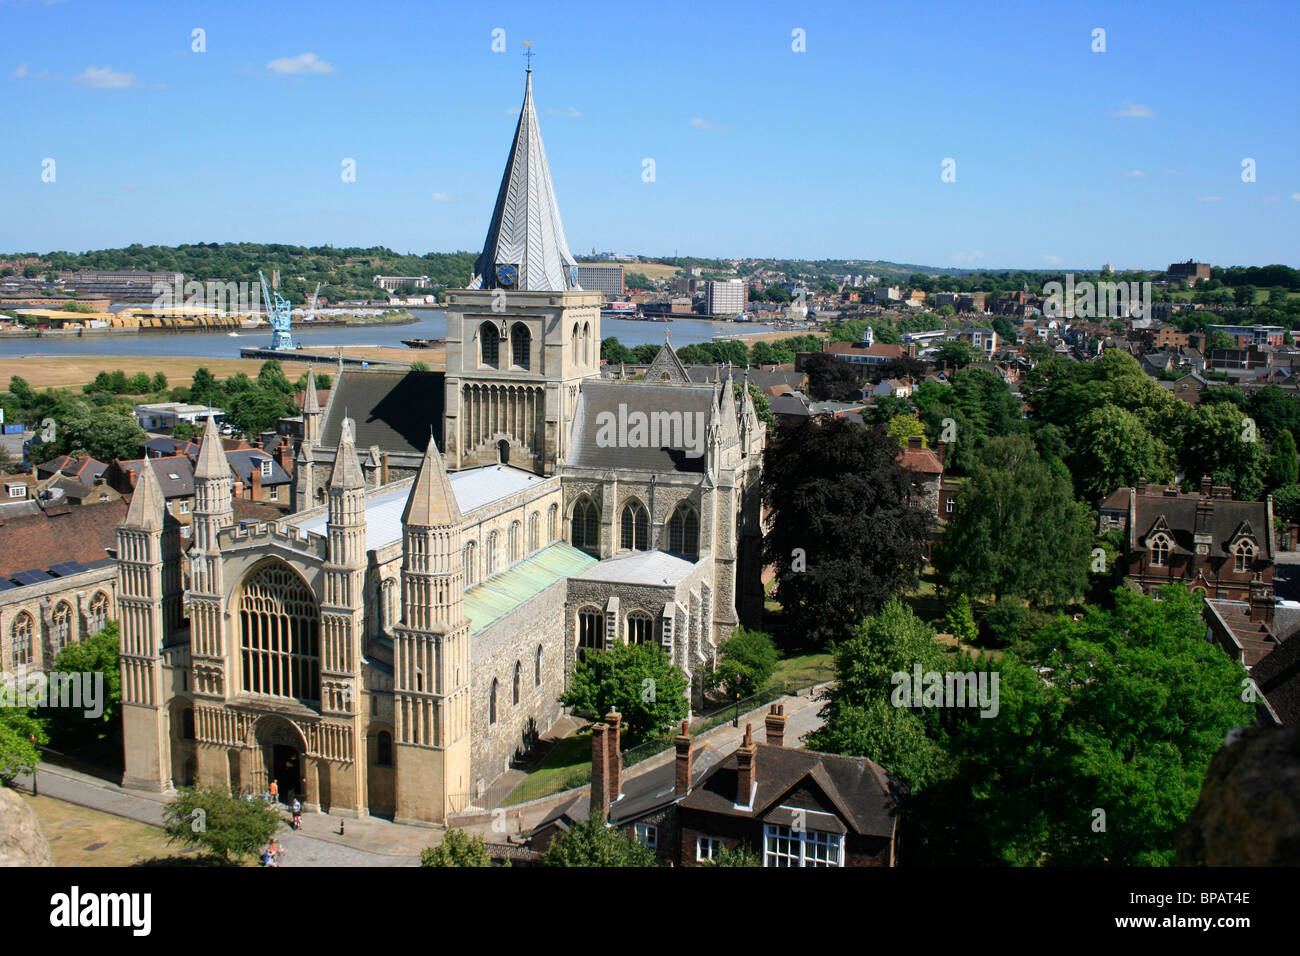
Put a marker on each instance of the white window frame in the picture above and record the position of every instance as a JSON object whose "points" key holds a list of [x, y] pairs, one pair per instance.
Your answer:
{"points": [[266, 468], [273, 492], [801, 841], [647, 834], [707, 848], [183, 506]]}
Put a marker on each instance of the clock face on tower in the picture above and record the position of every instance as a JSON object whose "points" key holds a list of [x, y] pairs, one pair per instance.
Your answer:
{"points": [[508, 275], [573, 275]]}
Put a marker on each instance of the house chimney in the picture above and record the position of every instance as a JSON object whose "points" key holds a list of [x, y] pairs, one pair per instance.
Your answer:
{"points": [[745, 770], [915, 441], [942, 451], [599, 768], [1261, 603], [255, 481], [383, 467], [1207, 485], [683, 742], [1142, 486], [286, 456], [774, 725], [614, 754]]}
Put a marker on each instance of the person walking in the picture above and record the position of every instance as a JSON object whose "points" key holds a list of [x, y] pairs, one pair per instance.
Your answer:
{"points": [[275, 792]]}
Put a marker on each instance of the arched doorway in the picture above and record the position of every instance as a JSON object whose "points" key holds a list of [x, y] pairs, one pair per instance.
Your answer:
{"points": [[503, 452], [282, 750]]}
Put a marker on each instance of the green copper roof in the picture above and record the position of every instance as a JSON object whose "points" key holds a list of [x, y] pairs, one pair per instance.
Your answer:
{"points": [[504, 592]]}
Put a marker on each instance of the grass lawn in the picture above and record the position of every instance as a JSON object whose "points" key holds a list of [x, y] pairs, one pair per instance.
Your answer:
{"points": [[804, 669], [79, 836], [567, 765]]}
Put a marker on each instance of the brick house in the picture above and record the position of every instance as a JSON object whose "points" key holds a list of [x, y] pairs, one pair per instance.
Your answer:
{"points": [[1208, 541], [926, 466]]}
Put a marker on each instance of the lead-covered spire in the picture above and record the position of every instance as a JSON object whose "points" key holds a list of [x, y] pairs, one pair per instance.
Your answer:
{"points": [[525, 249]]}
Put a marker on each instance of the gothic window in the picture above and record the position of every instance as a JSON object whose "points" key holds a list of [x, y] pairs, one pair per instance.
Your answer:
{"points": [[492, 552], [515, 694], [573, 345], [552, 516], [533, 533], [514, 542], [537, 667], [61, 620], [586, 526], [470, 560], [1245, 554], [521, 344], [98, 612], [492, 703], [22, 631], [684, 532], [279, 635], [388, 603], [591, 631], [586, 343], [1160, 551], [489, 345], [635, 527], [640, 628], [384, 749]]}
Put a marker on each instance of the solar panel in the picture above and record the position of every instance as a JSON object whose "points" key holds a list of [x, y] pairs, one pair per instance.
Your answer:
{"points": [[64, 568], [31, 577]]}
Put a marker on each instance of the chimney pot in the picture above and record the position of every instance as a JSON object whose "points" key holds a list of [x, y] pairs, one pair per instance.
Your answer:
{"points": [[1207, 485], [745, 770], [774, 725]]}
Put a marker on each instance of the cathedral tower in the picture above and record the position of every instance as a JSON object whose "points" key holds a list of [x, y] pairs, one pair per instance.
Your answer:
{"points": [[523, 335], [431, 674], [148, 596]]}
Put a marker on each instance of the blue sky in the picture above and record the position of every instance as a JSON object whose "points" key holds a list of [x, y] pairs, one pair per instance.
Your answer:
{"points": [[1064, 157]]}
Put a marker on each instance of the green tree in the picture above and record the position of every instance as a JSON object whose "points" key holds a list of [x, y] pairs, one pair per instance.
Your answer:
{"points": [[203, 388], [159, 382], [860, 718], [97, 657], [843, 537], [21, 736], [591, 843], [953, 355], [457, 848], [904, 426], [257, 409], [959, 621], [271, 377], [1283, 467], [418, 366], [830, 379], [1219, 340], [638, 681], [747, 661], [1113, 449], [1016, 529], [1218, 440], [229, 827]]}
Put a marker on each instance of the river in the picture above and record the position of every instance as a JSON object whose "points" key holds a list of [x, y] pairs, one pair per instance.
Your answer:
{"points": [[429, 324]]}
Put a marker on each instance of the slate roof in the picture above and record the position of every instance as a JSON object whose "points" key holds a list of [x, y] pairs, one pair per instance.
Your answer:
{"points": [[86, 470], [242, 464], [170, 446], [596, 398], [391, 409], [862, 794], [61, 534], [179, 487], [1179, 514]]}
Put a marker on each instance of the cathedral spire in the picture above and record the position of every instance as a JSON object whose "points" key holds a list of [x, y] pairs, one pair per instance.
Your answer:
{"points": [[212, 461], [347, 474], [147, 508], [525, 249], [432, 503]]}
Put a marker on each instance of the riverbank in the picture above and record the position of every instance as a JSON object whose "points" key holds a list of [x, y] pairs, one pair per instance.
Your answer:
{"points": [[208, 325]]}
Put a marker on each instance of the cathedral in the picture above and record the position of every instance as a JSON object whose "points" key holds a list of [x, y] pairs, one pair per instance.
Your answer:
{"points": [[459, 540]]}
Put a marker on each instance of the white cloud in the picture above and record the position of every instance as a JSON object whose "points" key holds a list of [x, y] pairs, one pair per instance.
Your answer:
{"points": [[441, 197], [1135, 111], [698, 123], [967, 256], [1136, 174], [106, 78], [302, 63], [572, 112], [1296, 196], [1208, 198], [21, 71], [1052, 260]]}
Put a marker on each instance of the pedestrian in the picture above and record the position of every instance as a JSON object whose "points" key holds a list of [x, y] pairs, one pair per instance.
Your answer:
{"points": [[277, 852], [275, 792]]}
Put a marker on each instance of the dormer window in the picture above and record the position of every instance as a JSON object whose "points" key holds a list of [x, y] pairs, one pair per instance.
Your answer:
{"points": [[1160, 551], [266, 468], [1245, 554]]}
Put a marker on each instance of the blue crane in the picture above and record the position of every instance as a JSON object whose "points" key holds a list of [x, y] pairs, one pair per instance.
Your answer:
{"points": [[277, 311]]}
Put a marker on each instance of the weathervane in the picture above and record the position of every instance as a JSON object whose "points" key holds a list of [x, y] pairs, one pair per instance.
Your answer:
{"points": [[528, 54]]}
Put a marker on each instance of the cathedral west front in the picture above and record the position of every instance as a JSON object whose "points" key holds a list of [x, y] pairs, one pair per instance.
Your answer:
{"points": [[458, 541]]}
